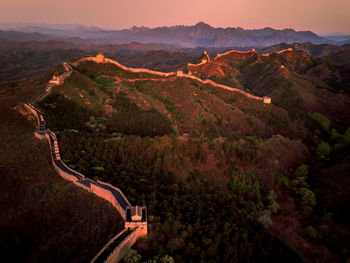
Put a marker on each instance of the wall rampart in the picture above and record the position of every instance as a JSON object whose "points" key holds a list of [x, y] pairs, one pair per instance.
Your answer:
{"points": [[88, 189], [134, 70], [140, 70], [284, 50], [118, 253], [208, 81], [101, 189], [235, 51], [198, 64], [33, 112], [115, 188], [121, 249], [108, 196], [63, 174], [39, 135]]}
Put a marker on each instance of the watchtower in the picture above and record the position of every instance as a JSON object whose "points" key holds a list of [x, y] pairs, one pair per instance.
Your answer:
{"points": [[56, 80], [266, 100], [100, 58], [136, 216]]}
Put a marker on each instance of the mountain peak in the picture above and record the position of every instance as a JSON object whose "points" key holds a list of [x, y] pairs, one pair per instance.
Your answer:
{"points": [[201, 24]]}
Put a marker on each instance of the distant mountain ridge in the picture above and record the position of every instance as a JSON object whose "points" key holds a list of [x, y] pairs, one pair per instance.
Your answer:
{"points": [[200, 34]]}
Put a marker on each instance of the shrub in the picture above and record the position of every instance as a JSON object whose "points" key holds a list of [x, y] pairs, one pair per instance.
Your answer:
{"points": [[273, 205], [323, 150], [107, 82], [132, 256], [265, 218], [321, 120]]}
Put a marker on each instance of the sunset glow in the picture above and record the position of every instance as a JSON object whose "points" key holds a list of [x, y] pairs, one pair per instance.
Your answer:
{"points": [[320, 16]]}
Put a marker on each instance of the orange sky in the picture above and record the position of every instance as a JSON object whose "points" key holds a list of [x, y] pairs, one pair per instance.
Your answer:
{"points": [[320, 16]]}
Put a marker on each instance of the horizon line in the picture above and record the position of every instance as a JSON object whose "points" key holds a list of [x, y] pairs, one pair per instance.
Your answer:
{"points": [[174, 25]]}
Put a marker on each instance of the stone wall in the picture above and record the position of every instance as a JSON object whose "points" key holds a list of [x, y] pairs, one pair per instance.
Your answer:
{"points": [[94, 187], [115, 188], [99, 188], [134, 70], [210, 82], [98, 59], [250, 51], [108, 196], [120, 249], [33, 112], [198, 64], [285, 50], [235, 51]]}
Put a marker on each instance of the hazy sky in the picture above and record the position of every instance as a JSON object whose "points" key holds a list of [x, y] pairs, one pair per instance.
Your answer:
{"points": [[320, 16]]}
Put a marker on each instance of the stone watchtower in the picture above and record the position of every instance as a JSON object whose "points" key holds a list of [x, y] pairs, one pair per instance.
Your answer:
{"points": [[56, 80], [205, 58], [266, 100], [100, 58], [136, 216]]}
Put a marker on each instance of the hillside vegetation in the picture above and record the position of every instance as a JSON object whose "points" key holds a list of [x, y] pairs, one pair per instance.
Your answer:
{"points": [[44, 218], [213, 166], [225, 178], [296, 81]]}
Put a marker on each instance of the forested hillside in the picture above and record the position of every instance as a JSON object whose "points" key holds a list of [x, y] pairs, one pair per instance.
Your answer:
{"points": [[225, 178]]}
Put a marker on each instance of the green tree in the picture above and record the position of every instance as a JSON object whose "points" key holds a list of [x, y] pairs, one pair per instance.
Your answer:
{"points": [[166, 259], [323, 150], [132, 256], [321, 120]]}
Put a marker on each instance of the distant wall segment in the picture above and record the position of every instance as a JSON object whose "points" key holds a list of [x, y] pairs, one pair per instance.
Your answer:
{"points": [[101, 59]]}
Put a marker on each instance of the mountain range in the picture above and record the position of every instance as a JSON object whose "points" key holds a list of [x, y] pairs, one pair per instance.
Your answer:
{"points": [[25, 59], [200, 34]]}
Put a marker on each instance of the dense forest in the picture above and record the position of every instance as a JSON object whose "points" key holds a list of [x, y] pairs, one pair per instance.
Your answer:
{"points": [[224, 178], [209, 198], [189, 219]]}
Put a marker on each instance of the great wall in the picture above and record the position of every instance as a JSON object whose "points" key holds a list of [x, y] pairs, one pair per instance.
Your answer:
{"points": [[101, 59], [251, 51], [135, 217]]}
